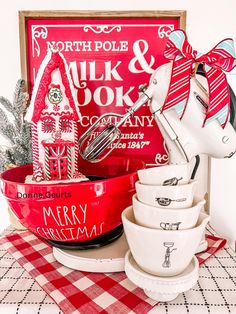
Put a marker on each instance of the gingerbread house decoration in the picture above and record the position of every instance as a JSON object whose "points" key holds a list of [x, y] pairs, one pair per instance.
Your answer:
{"points": [[54, 114]]}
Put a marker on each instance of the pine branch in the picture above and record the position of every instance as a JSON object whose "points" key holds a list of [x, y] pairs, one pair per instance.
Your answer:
{"points": [[18, 132], [4, 160], [3, 117], [11, 132], [19, 98], [26, 133], [6, 104], [6, 128]]}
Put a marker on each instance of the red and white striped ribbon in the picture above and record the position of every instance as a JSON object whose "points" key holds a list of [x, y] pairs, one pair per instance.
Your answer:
{"points": [[220, 58]]}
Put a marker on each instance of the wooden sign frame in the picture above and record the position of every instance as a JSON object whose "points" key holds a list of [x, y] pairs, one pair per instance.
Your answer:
{"points": [[153, 27], [26, 15]]}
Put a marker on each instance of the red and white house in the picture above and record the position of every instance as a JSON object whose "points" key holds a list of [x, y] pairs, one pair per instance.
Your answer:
{"points": [[54, 114]]}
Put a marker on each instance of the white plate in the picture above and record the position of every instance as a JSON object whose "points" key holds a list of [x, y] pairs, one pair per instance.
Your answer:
{"points": [[161, 288], [109, 258]]}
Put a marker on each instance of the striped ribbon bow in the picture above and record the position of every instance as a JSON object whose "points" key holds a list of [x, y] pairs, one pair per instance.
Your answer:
{"points": [[221, 57]]}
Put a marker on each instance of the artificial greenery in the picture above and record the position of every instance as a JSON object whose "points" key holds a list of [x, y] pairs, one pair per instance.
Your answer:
{"points": [[14, 130]]}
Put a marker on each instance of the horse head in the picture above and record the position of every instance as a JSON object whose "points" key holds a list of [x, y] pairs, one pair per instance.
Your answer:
{"points": [[188, 137]]}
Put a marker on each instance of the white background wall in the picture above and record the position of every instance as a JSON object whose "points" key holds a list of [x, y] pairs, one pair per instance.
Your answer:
{"points": [[208, 21]]}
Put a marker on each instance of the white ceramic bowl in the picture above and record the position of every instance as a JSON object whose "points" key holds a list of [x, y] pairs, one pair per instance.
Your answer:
{"points": [[162, 252], [179, 196], [166, 218], [166, 175]]}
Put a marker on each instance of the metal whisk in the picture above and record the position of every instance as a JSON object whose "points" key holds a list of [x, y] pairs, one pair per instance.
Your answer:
{"points": [[100, 146]]}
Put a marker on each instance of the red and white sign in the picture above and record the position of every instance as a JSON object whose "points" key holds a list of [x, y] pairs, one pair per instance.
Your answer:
{"points": [[109, 59]]}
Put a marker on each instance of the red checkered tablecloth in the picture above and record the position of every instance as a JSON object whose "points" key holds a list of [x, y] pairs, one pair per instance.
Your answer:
{"points": [[84, 292]]}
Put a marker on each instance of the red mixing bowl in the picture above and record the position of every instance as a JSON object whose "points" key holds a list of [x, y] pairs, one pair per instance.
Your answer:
{"points": [[73, 212]]}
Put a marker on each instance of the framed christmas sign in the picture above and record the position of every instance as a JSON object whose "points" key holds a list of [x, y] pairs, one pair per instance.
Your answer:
{"points": [[109, 54]]}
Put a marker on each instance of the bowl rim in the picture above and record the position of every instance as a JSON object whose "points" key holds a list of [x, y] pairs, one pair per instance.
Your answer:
{"points": [[202, 216], [157, 168], [84, 183], [196, 201], [145, 187]]}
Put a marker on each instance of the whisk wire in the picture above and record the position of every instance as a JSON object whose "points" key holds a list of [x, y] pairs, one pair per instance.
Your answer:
{"points": [[98, 150], [101, 145], [101, 142]]}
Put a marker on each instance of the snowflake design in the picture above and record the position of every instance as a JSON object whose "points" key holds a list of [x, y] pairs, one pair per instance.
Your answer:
{"points": [[57, 135], [56, 108], [78, 175]]}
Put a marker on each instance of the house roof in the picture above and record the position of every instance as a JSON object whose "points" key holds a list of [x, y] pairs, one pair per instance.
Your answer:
{"points": [[52, 61]]}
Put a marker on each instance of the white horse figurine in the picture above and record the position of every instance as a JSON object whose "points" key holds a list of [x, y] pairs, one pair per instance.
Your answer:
{"points": [[187, 137]]}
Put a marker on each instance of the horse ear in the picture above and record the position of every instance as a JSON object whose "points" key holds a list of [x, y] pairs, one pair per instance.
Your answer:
{"points": [[232, 119]]}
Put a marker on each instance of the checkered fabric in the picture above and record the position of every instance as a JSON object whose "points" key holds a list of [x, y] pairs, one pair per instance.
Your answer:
{"points": [[81, 292], [214, 244], [75, 291], [19, 292]]}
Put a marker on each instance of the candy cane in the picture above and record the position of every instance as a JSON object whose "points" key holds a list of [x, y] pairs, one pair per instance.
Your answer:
{"points": [[35, 147], [47, 167], [69, 161], [76, 147]]}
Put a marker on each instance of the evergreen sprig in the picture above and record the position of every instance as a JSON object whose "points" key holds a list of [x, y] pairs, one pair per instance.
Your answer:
{"points": [[14, 129]]}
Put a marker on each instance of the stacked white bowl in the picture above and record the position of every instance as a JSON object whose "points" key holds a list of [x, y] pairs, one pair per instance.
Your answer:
{"points": [[164, 228]]}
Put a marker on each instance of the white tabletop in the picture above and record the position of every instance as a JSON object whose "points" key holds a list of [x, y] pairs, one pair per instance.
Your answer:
{"points": [[214, 293]]}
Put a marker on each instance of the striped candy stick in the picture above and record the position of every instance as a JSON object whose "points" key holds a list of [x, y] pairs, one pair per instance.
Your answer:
{"points": [[47, 166], [76, 147], [69, 165], [35, 146]]}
